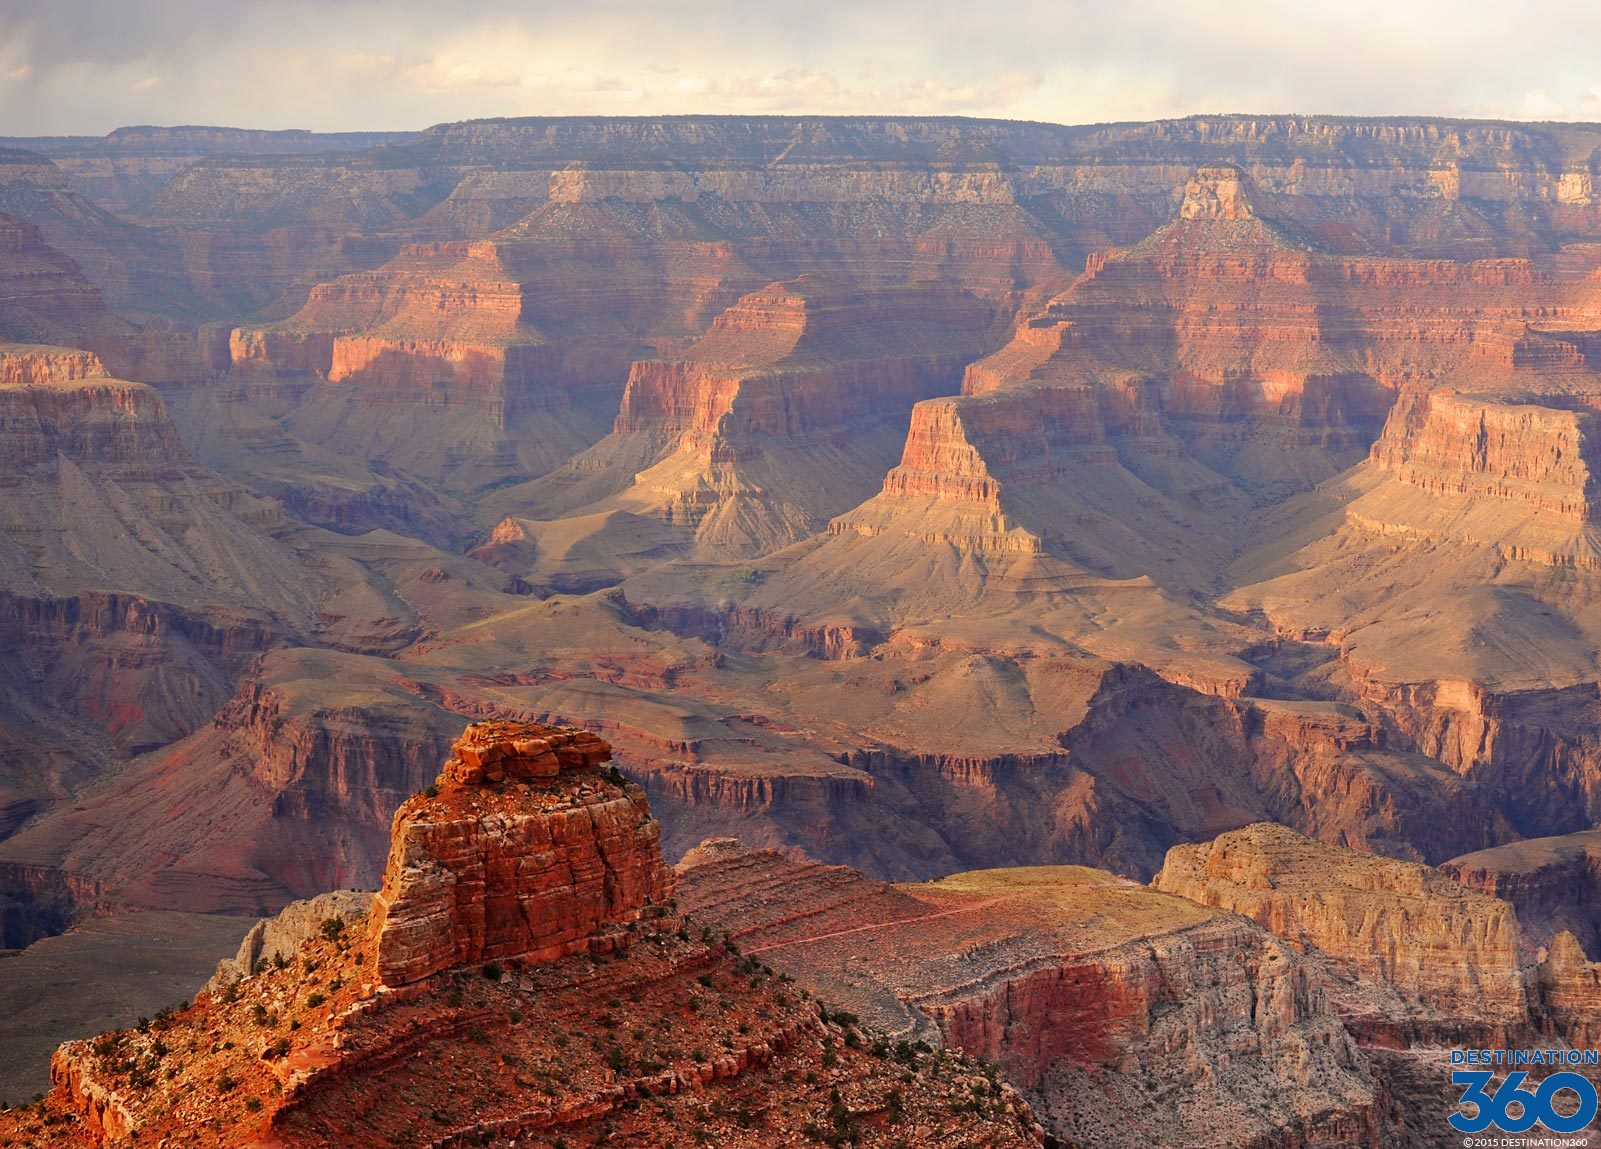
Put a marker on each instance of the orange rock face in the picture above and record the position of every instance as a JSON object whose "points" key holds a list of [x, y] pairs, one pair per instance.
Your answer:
{"points": [[532, 872], [1466, 445], [771, 364], [1570, 992], [653, 1035]]}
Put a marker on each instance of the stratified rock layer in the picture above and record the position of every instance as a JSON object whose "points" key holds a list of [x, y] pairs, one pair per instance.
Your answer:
{"points": [[653, 1036], [1454, 950], [785, 412], [530, 871], [1100, 997], [1555, 883]]}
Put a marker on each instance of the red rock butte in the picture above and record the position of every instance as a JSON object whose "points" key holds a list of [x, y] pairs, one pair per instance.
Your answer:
{"points": [[522, 849], [524, 852]]}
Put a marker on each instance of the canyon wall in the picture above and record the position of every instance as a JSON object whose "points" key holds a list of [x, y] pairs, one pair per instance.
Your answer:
{"points": [[1116, 1008], [349, 1013], [1452, 949]]}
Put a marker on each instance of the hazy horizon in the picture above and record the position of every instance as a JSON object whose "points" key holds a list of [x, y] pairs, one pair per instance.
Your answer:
{"points": [[801, 115], [86, 67]]}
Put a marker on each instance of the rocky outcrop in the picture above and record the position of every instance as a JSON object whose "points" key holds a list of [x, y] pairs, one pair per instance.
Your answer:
{"points": [[443, 332], [769, 365], [277, 939], [1488, 447], [26, 365], [1103, 999], [479, 874], [787, 411], [962, 453], [409, 309], [54, 401], [45, 299], [719, 1047], [285, 791], [1570, 992], [1555, 884], [1453, 950]]}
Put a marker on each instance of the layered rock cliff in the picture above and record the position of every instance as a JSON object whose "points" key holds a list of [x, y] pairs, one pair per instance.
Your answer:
{"points": [[446, 336], [653, 1034], [1411, 960], [1555, 883], [45, 298], [1569, 986], [1118, 1009], [1454, 950], [135, 584], [287, 791], [538, 873], [786, 412]]}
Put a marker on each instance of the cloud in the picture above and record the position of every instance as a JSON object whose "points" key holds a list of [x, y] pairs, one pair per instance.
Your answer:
{"points": [[1538, 105], [86, 65]]}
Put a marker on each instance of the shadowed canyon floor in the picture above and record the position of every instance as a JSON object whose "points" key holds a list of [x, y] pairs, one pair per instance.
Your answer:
{"points": [[926, 496]]}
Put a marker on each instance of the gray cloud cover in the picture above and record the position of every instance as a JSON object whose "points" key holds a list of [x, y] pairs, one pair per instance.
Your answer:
{"points": [[85, 66]]}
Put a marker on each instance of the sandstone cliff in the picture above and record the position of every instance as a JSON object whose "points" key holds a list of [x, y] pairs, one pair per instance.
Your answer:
{"points": [[787, 411], [135, 584], [537, 874], [287, 791], [653, 1034], [446, 337], [1570, 992], [45, 298], [1452, 950], [1121, 1011], [1555, 883]]}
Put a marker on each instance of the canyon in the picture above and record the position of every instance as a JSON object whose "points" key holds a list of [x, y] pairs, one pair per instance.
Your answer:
{"points": [[938, 498], [466, 999], [1265, 989]]}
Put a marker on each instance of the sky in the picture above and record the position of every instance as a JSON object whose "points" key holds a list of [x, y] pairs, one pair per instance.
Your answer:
{"points": [[87, 66]]}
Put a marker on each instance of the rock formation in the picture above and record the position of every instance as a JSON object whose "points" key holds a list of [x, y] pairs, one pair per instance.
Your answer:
{"points": [[1570, 992], [787, 411], [134, 583], [1555, 884], [440, 332], [1117, 1009], [278, 939], [45, 299], [1266, 495], [1452, 949], [655, 1033], [1411, 960], [477, 875], [288, 791]]}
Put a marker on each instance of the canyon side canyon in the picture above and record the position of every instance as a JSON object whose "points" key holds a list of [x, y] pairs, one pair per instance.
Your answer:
{"points": [[1159, 556]]}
